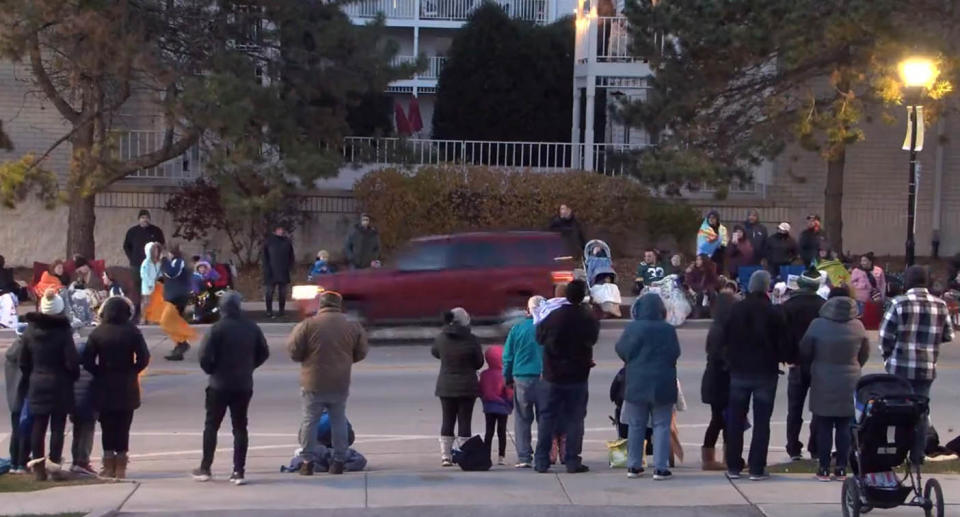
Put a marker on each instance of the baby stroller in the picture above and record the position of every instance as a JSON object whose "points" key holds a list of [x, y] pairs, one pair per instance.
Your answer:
{"points": [[602, 278], [888, 412]]}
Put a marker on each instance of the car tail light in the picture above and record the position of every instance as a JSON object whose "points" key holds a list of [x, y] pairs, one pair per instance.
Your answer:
{"points": [[305, 292], [561, 277]]}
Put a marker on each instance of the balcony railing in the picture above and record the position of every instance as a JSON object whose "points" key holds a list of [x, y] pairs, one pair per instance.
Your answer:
{"points": [[518, 155], [134, 143], [603, 39], [444, 10], [434, 65]]}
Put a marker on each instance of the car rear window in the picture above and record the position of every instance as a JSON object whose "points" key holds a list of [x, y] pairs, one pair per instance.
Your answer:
{"points": [[537, 252]]}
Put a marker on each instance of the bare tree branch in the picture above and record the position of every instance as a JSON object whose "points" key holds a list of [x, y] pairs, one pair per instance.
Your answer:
{"points": [[36, 64]]}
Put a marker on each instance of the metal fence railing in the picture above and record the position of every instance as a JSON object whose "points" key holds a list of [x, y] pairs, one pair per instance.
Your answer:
{"points": [[134, 143], [449, 10]]}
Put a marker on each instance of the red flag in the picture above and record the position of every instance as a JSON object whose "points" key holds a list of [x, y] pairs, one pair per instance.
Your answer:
{"points": [[403, 125], [416, 123]]}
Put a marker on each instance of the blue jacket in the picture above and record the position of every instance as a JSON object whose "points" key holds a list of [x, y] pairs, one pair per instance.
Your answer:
{"points": [[650, 349], [522, 354], [177, 279]]}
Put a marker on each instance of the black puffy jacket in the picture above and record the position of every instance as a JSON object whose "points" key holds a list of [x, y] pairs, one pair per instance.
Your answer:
{"points": [[115, 354], [50, 362], [568, 335], [233, 348]]}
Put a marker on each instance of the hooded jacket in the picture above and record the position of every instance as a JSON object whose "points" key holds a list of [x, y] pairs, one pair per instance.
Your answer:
{"points": [[362, 246], [149, 271], [754, 337], [837, 347], [649, 349], [799, 312], [233, 348], [522, 354], [177, 280], [326, 346], [811, 240], [115, 354], [756, 233], [50, 362], [710, 239], [460, 357], [496, 396], [568, 335], [781, 249]]}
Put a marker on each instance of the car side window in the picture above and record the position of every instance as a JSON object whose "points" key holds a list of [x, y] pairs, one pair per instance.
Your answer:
{"points": [[478, 255], [538, 252], [424, 257]]}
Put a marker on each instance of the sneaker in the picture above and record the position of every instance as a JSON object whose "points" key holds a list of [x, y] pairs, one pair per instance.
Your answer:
{"points": [[660, 475], [201, 474], [581, 469], [733, 475], [83, 469], [336, 468], [270, 314], [796, 457], [501, 461], [523, 465], [446, 462], [840, 474], [823, 475], [634, 473], [763, 476], [18, 471], [237, 479]]}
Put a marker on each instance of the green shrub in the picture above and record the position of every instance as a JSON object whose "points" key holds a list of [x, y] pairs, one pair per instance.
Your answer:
{"points": [[440, 200]]}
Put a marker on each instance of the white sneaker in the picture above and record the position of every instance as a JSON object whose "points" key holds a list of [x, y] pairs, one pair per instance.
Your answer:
{"points": [[501, 461], [523, 465]]}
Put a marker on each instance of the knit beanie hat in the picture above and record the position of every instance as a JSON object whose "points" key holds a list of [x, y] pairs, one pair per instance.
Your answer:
{"points": [[331, 300], [759, 282], [810, 280], [143, 213], [51, 303], [460, 316]]}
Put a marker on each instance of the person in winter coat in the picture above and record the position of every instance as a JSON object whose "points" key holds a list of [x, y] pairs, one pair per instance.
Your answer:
{"points": [[781, 249], [837, 347], [134, 247], [702, 281], [799, 311], [177, 284], [115, 354], [739, 253], [326, 345], [567, 225], [754, 345], [460, 357], [84, 421], [16, 383], [50, 363], [649, 349], [497, 400], [363, 244], [52, 278], [522, 366], [278, 260], [811, 240], [712, 238], [869, 282], [756, 233], [321, 266], [715, 385], [151, 282], [231, 350], [568, 336]]}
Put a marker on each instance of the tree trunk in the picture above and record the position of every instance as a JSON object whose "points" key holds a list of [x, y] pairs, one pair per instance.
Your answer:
{"points": [[81, 220], [833, 201]]}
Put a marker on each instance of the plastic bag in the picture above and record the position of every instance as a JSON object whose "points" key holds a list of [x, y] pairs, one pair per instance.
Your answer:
{"points": [[617, 453]]}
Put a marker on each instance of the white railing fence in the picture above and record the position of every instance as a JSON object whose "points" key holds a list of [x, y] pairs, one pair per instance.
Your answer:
{"points": [[449, 10], [134, 143]]}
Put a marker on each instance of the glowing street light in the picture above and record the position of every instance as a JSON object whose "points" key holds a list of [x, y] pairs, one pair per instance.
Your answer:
{"points": [[916, 73]]}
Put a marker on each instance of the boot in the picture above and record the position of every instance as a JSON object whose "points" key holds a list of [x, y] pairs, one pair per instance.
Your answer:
{"points": [[39, 468], [446, 450], [708, 459], [178, 351], [121, 465], [109, 469]]}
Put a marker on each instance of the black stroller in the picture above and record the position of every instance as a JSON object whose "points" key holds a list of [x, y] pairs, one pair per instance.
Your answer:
{"points": [[888, 412]]}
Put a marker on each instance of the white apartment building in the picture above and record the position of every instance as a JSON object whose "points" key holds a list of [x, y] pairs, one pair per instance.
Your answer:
{"points": [[427, 28]]}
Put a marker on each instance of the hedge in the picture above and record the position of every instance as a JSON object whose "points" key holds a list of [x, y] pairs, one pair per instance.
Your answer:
{"points": [[450, 199]]}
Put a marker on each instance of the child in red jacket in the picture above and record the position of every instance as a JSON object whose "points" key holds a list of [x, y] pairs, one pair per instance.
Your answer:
{"points": [[497, 399]]}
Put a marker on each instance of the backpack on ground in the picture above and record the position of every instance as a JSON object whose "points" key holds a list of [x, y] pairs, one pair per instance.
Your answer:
{"points": [[473, 456]]}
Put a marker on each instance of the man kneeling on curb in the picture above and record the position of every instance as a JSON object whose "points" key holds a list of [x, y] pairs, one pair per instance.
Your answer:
{"points": [[326, 346], [232, 349]]}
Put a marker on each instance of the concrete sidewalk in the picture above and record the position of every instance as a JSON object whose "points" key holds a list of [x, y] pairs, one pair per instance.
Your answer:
{"points": [[443, 492]]}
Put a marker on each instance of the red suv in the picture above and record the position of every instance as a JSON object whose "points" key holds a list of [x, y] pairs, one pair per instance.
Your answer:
{"points": [[485, 273]]}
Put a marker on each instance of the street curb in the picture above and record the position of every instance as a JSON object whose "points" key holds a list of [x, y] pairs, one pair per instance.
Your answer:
{"points": [[108, 512]]}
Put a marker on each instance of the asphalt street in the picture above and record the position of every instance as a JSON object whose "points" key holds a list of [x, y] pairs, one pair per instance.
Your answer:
{"points": [[397, 417]]}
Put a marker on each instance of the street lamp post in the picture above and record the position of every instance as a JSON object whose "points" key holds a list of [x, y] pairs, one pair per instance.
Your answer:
{"points": [[917, 73]]}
